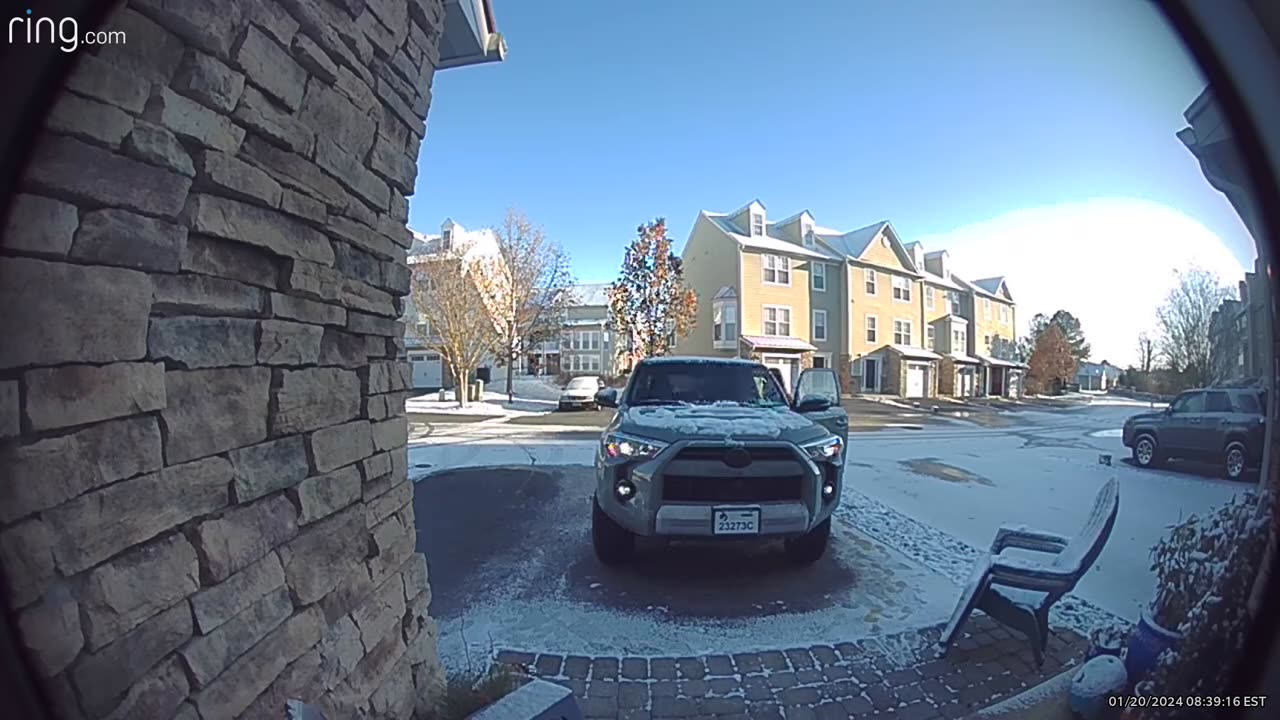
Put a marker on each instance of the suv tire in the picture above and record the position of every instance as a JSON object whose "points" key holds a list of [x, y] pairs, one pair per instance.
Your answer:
{"points": [[1234, 460], [1146, 453], [612, 543], [808, 548]]}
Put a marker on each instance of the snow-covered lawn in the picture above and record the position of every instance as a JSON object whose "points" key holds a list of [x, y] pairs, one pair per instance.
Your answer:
{"points": [[1044, 478], [494, 404]]}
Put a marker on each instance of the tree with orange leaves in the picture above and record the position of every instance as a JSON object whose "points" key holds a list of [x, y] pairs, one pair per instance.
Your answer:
{"points": [[649, 304], [1052, 361]]}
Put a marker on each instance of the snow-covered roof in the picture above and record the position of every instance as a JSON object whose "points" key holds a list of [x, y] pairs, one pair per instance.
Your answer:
{"points": [[772, 342], [696, 359], [853, 243], [929, 277], [914, 352], [584, 322], [730, 420], [992, 287], [1092, 369], [761, 242], [592, 294], [976, 289], [473, 244], [997, 362], [962, 358]]}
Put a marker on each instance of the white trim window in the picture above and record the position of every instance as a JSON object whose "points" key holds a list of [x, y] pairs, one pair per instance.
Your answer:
{"points": [[955, 301], [818, 276], [806, 233], [901, 288], [777, 321], [901, 332], [959, 340], [757, 224], [869, 276], [871, 328], [820, 325], [930, 336], [928, 297], [1004, 313], [986, 308], [777, 269], [986, 342], [724, 315]]}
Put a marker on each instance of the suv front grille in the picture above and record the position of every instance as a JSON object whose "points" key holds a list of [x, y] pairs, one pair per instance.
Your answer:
{"points": [[703, 488], [758, 454]]}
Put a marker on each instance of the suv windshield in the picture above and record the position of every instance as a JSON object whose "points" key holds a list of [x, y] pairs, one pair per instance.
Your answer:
{"points": [[704, 384]]}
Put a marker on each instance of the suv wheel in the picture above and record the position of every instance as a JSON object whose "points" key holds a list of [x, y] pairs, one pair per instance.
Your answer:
{"points": [[612, 543], [1234, 460], [1145, 451], [808, 548]]}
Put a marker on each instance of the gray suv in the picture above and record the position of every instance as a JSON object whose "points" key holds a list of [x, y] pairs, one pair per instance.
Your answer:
{"points": [[1220, 425], [716, 449]]}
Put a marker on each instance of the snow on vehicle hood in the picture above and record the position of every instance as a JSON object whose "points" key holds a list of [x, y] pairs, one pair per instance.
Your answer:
{"points": [[719, 421]]}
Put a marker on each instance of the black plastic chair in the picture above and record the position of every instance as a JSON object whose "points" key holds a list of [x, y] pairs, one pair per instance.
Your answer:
{"points": [[1018, 593]]}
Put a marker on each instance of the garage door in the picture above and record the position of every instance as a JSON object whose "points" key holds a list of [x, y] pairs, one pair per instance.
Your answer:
{"points": [[915, 381], [427, 370]]}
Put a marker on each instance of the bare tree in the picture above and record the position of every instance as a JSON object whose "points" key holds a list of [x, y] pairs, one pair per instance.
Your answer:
{"points": [[449, 289], [1185, 322], [530, 291], [1146, 352]]}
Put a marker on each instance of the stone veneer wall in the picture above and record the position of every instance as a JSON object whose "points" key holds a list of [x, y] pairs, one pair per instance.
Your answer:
{"points": [[204, 506]]}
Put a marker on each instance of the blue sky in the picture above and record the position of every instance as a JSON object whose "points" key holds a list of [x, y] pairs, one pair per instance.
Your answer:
{"points": [[935, 117]]}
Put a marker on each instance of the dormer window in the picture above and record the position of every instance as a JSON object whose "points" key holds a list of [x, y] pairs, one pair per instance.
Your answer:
{"points": [[757, 224], [808, 236], [446, 239]]}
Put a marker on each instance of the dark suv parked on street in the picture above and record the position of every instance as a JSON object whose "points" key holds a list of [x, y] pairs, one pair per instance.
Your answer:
{"points": [[1220, 425]]}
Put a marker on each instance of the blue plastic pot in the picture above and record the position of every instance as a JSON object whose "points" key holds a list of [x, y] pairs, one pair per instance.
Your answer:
{"points": [[1147, 641]]}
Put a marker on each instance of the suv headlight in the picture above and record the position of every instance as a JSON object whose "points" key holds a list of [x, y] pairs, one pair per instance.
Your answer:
{"points": [[828, 450], [619, 448]]}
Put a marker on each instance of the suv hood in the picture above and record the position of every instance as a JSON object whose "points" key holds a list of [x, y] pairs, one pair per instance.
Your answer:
{"points": [[719, 422], [1145, 417]]}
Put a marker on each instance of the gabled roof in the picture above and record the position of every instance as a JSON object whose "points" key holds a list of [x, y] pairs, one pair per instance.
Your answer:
{"points": [[993, 286], [725, 292], [854, 243], [791, 218], [760, 242], [973, 287]]}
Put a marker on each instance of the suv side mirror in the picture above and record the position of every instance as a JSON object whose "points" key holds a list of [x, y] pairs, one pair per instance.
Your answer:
{"points": [[607, 397], [813, 403]]}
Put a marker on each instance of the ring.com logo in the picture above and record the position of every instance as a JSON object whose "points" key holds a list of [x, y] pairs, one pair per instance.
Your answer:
{"points": [[65, 31]]}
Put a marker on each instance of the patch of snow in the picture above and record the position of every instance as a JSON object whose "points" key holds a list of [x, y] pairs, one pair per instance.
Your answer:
{"points": [[1099, 676], [952, 558], [494, 404], [718, 420], [1109, 401]]}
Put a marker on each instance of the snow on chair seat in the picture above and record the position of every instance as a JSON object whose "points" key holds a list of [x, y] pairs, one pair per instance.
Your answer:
{"points": [[1018, 592]]}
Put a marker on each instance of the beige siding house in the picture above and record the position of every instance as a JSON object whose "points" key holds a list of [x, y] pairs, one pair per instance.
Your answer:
{"points": [[888, 317]]}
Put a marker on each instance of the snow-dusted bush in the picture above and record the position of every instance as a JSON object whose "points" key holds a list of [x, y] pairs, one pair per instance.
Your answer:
{"points": [[1210, 564]]}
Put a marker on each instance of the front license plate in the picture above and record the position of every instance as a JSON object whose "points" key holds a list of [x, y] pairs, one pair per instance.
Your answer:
{"points": [[735, 521]]}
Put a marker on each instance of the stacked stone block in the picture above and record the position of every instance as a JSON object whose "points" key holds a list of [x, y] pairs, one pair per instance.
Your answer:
{"points": [[204, 504]]}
